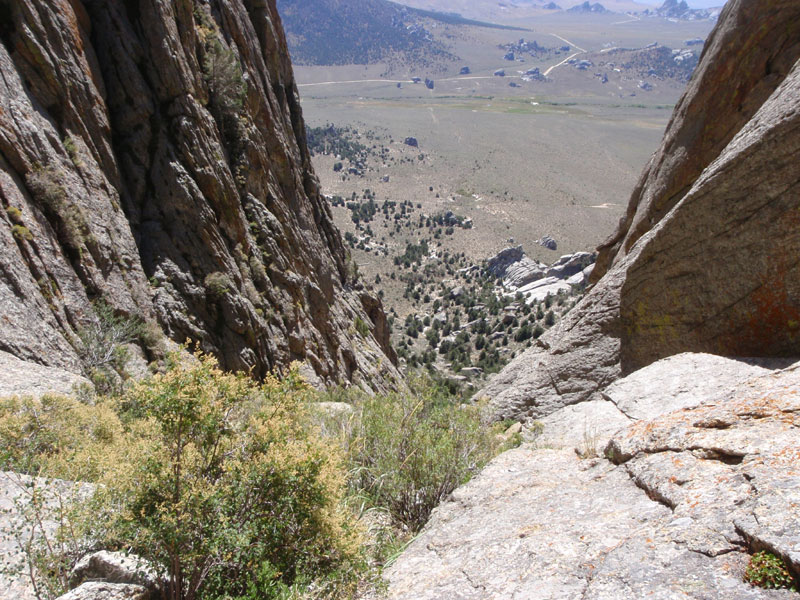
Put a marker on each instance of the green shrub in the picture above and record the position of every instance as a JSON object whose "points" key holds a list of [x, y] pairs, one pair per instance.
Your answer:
{"points": [[230, 479], [769, 571], [222, 483], [72, 151], [218, 284], [228, 90], [152, 337], [21, 232], [214, 478], [102, 341], [45, 184], [223, 74], [57, 436], [410, 450], [14, 214], [75, 228], [361, 326]]}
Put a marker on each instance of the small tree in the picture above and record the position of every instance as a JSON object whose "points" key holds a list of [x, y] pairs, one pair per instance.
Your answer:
{"points": [[101, 345], [228, 490]]}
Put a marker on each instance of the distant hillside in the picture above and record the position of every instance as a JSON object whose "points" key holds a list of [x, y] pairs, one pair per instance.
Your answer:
{"points": [[587, 7], [518, 11], [339, 32], [679, 9], [456, 19]]}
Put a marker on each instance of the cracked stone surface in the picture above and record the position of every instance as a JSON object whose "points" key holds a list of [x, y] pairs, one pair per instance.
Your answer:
{"points": [[688, 493], [25, 378], [680, 381], [102, 590]]}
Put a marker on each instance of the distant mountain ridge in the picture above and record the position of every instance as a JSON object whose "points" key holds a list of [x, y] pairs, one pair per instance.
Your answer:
{"points": [[587, 7], [679, 9], [339, 32]]}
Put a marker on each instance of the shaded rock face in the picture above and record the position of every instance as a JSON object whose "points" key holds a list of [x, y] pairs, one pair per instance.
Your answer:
{"points": [[706, 260], [688, 495], [152, 154], [735, 289], [740, 68]]}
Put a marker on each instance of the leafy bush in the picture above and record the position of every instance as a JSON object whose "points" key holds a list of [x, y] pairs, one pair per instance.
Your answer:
{"points": [[58, 436], [21, 232], [212, 477], [769, 571], [218, 284], [410, 450], [224, 76], [228, 480], [361, 327], [223, 73], [220, 482], [47, 185], [14, 214]]}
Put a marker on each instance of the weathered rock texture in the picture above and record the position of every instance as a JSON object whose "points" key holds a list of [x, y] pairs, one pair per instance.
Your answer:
{"points": [[686, 497], [115, 567], [749, 53], [30, 507], [102, 590], [152, 154], [25, 378], [709, 257]]}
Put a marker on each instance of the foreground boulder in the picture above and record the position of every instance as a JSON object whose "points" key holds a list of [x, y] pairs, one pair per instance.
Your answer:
{"points": [[675, 513], [115, 567], [102, 590]]}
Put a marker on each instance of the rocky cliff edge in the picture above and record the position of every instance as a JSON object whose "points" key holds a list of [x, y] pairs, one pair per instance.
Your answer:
{"points": [[701, 471], [153, 156]]}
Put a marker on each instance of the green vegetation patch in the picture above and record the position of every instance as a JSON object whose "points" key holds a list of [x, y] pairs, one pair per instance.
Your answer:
{"points": [[216, 479], [769, 571], [408, 451], [229, 488]]}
